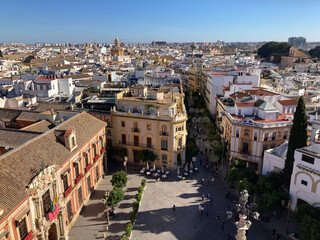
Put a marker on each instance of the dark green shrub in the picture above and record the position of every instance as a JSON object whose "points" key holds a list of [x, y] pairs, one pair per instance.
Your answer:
{"points": [[132, 217], [135, 206], [128, 229], [138, 197], [140, 189], [143, 182]]}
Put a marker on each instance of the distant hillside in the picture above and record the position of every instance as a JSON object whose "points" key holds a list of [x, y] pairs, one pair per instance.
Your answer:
{"points": [[274, 48]]}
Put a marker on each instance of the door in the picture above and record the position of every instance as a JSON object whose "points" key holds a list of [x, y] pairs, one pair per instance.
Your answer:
{"points": [[136, 140], [135, 159]]}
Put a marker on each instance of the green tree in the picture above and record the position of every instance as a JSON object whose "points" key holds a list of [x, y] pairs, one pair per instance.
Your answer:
{"points": [[191, 148], [245, 184], [249, 174], [115, 196], [315, 52], [271, 48], [233, 175], [272, 200], [220, 151], [307, 210], [128, 229], [309, 228], [119, 179], [120, 152], [146, 156], [298, 138]]}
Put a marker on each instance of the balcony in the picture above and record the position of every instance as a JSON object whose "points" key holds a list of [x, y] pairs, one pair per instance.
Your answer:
{"points": [[29, 236], [67, 191], [103, 150], [88, 167], [78, 178], [163, 133], [96, 157], [136, 144], [137, 130]]}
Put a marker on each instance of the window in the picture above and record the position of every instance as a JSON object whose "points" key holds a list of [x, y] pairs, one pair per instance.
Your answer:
{"points": [[265, 137], [273, 136], [307, 159], [246, 132], [89, 184], [73, 141], [164, 158], [86, 158], [149, 142], [164, 130], [164, 144], [285, 135], [304, 182], [166, 112], [136, 140], [245, 148], [41, 87], [123, 138], [65, 182], [148, 126], [255, 136], [109, 132], [76, 169], [23, 230], [123, 124], [69, 211], [135, 125], [237, 133], [179, 143], [80, 195], [94, 147], [46, 202], [97, 173]]}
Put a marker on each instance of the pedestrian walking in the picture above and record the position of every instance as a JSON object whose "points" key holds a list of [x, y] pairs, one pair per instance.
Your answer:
{"points": [[218, 218], [208, 196], [222, 225], [211, 200], [207, 214], [174, 208], [212, 179]]}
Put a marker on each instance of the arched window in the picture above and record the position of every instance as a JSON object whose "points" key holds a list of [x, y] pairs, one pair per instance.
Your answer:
{"points": [[237, 133]]}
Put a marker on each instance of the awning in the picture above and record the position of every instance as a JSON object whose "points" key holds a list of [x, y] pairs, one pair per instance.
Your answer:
{"points": [[77, 160], [24, 212], [65, 171], [4, 234]]}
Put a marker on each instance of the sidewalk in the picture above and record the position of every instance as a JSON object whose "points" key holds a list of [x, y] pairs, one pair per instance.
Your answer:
{"points": [[91, 223]]}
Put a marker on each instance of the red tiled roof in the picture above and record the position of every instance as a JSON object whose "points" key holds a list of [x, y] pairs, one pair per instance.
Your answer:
{"points": [[241, 104], [289, 102]]}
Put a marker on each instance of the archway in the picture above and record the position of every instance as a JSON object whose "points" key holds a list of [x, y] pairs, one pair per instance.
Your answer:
{"points": [[179, 162], [53, 234]]}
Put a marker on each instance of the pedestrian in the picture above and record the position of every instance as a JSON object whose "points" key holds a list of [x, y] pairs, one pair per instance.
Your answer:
{"points": [[202, 197], [227, 194], [207, 214], [273, 233], [211, 200], [208, 181], [212, 179], [222, 225], [200, 208], [208, 196], [218, 218], [174, 208]]}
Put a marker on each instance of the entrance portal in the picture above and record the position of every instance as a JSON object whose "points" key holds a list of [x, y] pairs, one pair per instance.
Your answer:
{"points": [[53, 235], [179, 159]]}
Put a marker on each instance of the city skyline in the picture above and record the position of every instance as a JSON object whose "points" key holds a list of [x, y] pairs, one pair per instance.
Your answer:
{"points": [[72, 21]]}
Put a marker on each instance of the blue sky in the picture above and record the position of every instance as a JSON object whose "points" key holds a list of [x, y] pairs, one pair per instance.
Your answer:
{"points": [[144, 21]]}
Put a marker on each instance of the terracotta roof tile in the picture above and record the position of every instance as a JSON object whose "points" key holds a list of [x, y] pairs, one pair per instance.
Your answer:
{"points": [[289, 102]]}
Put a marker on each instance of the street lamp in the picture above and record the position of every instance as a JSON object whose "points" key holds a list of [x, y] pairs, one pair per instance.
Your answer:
{"points": [[125, 163], [245, 210]]}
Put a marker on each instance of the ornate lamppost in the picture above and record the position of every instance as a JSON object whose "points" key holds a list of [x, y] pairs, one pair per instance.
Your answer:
{"points": [[245, 211]]}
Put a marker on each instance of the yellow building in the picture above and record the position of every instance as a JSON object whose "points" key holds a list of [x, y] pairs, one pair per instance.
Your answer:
{"points": [[154, 120], [117, 50]]}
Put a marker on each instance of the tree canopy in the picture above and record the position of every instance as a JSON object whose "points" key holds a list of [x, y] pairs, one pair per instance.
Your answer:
{"points": [[315, 52], [116, 196], [121, 152], [298, 138], [191, 149], [271, 48], [146, 156], [119, 179]]}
